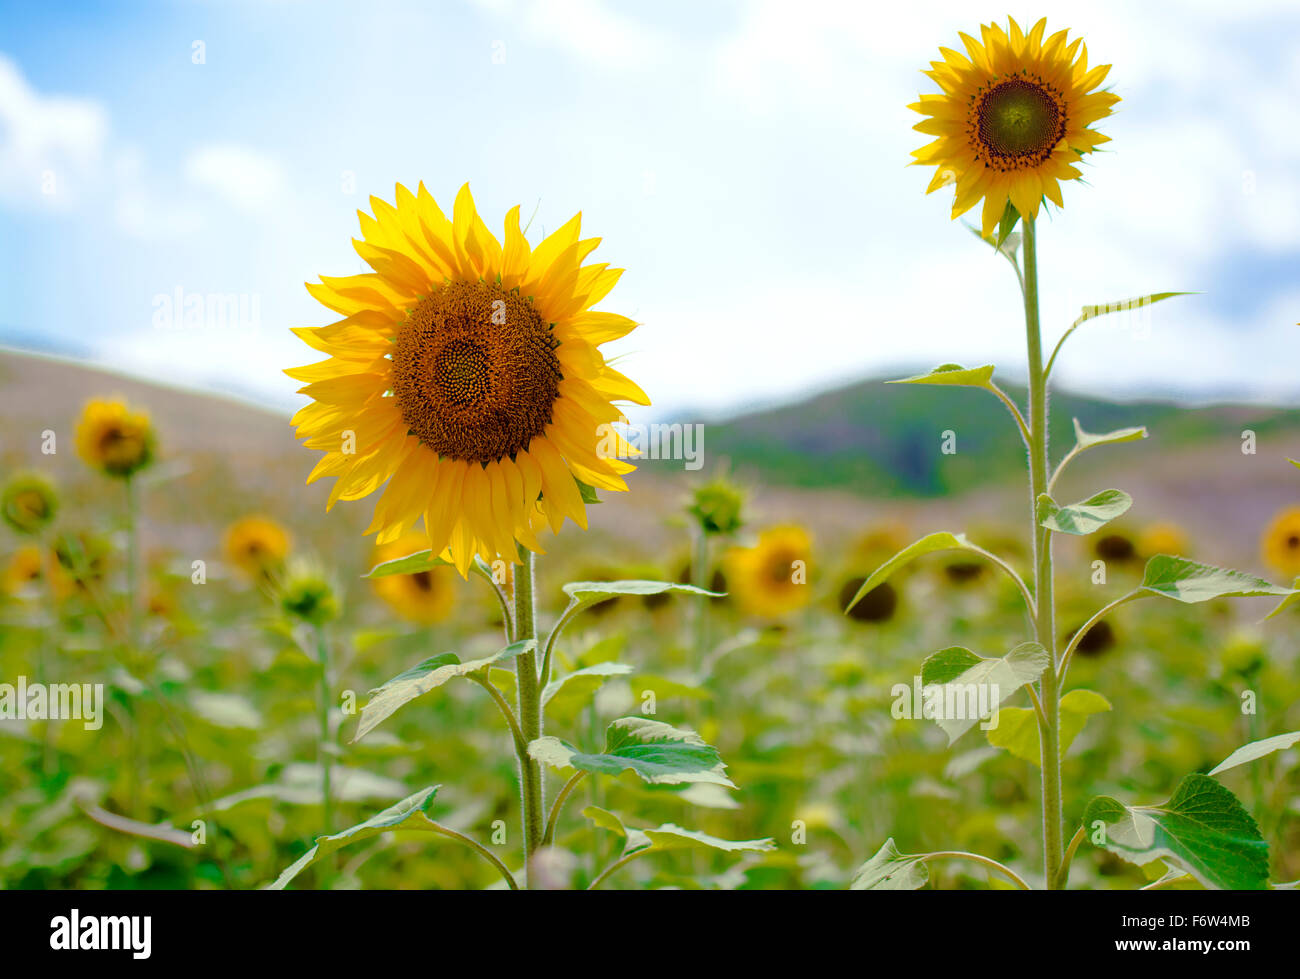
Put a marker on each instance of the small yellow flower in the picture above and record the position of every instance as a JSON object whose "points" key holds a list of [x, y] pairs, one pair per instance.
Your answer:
{"points": [[114, 439], [29, 565], [256, 545], [1012, 120], [1162, 538], [1281, 543], [424, 597], [29, 503], [771, 578]]}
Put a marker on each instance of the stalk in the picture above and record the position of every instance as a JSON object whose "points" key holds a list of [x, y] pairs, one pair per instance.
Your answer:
{"points": [[325, 756], [530, 713], [1044, 603]]}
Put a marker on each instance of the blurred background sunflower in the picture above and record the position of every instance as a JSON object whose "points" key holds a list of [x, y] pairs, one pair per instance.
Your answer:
{"points": [[114, 438], [770, 579], [424, 597]]}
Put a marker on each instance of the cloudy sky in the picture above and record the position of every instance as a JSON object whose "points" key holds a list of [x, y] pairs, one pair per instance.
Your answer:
{"points": [[744, 160]]}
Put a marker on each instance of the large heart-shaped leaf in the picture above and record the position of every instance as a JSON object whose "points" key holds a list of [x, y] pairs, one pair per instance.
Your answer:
{"points": [[657, 752], [1257, 749], [957, 700], [1203, 830], [410, 813], [890, 870], [423, 677], [1186, 581], [1017, 729], [1083, 518]]}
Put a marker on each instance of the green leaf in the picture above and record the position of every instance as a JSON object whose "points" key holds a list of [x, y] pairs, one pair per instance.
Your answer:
{"points": [[572, 690], [588, 493], [1294, 463], [1257, 749], [584, 594], [423, 677], [890, 870], [415, 563], [1287, 602], [1104, 309], [670, 836], [941, 541], [1017, 729], [1010, 216], [1203, 830], [948, 664], [961, 688], [1087, 440], [658, 753], [1083, 518], [1189, 582], [410, 813], [953, 374]]}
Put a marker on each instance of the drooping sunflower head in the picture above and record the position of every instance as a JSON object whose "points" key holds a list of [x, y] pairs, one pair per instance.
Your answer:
{"points": [[718, 507], [256, 545], [307, 592], [770, 579], [466, 375], [424, 597], [1013, 119], [114, 439], [29, 502], [1281, 543]]}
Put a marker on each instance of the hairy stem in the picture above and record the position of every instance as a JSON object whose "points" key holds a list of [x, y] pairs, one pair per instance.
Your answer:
{"points": [[992, 864], [1044, 603], [530, 712]]}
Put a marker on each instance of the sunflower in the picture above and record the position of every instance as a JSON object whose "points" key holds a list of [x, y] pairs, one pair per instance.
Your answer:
{"points": [[465, 374], [424, 597], [1281, 543], [256, 545], [114, 439], [1162, 538], [30, 564], [28, 503], [771, 578], [1012, 120]]}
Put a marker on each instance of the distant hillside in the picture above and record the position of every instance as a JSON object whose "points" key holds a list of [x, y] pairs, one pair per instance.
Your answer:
{"points": [[877, 439]]}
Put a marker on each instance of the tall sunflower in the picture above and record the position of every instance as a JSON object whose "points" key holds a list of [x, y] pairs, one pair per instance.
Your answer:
{"points": [[1012, 119], [424, 597], [465, 374]]}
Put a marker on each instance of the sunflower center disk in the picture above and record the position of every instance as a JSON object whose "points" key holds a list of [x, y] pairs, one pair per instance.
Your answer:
{"points": [[1019, 122], [474, 372]]}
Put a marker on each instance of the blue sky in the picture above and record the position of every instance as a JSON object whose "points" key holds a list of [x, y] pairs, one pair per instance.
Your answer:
{"points": [[743, 160]]}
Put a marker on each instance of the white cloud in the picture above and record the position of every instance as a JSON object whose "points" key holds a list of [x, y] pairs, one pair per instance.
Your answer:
{"points": [[50, 146], [241, 176], [590, 29]]}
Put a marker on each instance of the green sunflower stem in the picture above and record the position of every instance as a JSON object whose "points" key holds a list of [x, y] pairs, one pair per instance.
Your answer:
{"points": [[701, 579], [1044, 617], [530, 712], [325, 754]]}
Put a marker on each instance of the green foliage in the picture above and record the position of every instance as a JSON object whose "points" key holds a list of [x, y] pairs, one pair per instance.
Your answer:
{"points": [[1083, 518], [889, 870], [657, 752], [1017, 728], [1190, 582], [1202, 829]]}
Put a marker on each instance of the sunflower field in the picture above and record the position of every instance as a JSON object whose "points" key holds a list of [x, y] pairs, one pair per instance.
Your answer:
{"points": [[461, 623]]}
